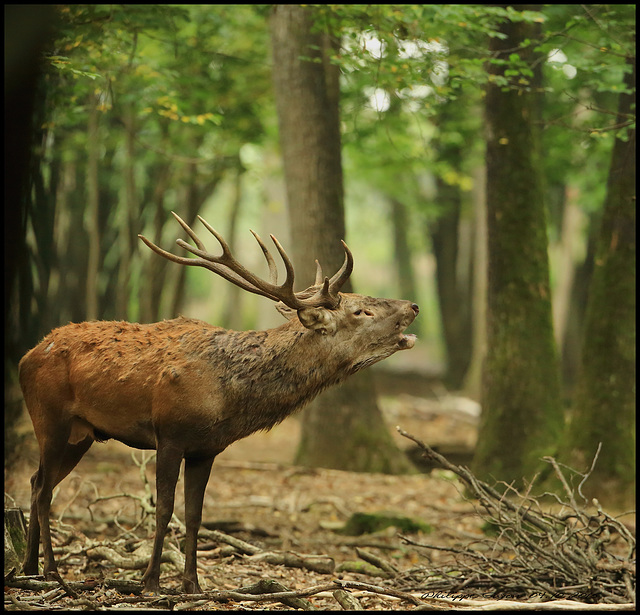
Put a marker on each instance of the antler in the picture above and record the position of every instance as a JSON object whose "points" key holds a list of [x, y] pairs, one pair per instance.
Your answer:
{"points": [[324, 293]]}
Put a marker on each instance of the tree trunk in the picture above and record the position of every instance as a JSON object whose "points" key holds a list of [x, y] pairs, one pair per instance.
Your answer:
{"points": [[570, 235], [343, 428], [129, 218], [454, 265], [454, 286], [407, 287], [604, 406], [521, 409], [188, 214], [93, 207], [232, 317], [154, 268], [574, 330], [473, 378], [28, 36], [74, 246]]}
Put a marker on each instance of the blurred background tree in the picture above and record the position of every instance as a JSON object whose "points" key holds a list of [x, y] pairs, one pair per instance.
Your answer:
{"points": [[144, 109]]}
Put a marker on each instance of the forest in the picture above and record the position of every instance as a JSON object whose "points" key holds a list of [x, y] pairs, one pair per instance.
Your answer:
{"points": [[478, 161]]}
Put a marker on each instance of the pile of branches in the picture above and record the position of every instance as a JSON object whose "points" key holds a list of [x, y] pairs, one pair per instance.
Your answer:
{"points": [[575, 553]]}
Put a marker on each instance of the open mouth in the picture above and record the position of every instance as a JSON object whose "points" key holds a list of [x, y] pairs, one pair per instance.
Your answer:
{"points": [[407, 341]]}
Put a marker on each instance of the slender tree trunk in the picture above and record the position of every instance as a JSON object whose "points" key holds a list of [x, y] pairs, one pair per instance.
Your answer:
{"points": [[188, 214], [128, 217], [155, 268], [454, 286], [232, 317], [574, 331], [604, 406], [473, 377], [74, 253], [404, 267], [521, 408], [109, 230], [570, 232], [63, 237], [453, 255], [343, 428], [93, 207]]}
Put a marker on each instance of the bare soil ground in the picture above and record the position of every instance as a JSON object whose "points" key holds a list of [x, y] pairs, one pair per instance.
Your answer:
{"points": [[255, 493]]}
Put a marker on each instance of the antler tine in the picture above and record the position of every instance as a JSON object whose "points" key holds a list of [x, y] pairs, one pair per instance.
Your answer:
{"points": [[342, 275], [222, 260], [189, 230], [319, 274], [172, 257], [226, 250], [328, 295], [288, 283], [273, 271]]}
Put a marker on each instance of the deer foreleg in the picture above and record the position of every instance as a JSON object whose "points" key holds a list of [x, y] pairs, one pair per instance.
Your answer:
{"points": [[196, 476], [167, 469]]}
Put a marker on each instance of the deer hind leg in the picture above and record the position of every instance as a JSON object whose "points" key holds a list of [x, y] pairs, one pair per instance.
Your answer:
{"points": [[196, 476], [168, 461], [57, 459], [30, 565]]}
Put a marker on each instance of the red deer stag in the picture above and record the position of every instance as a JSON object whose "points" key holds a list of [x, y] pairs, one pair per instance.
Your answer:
{"points": [[188, 389]]}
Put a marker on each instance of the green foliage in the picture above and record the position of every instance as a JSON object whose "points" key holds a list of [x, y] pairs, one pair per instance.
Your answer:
{"points": [[191, 85], [183, 65]]}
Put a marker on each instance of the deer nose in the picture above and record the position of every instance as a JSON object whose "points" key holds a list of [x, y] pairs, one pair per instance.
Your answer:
{"points": [[415, 308]]}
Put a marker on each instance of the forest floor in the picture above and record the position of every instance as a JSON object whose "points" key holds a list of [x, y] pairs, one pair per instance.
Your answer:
{"points": [[256, 494]]}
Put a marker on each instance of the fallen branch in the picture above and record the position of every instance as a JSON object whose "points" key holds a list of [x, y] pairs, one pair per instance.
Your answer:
{"points": [[133, 561], [379, 562], [241, 545], [362, 568], [270, 587], [317, 563], [347, 601]]}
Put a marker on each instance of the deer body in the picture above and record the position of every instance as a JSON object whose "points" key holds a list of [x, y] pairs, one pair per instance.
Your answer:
{"points": [[189, 390]]}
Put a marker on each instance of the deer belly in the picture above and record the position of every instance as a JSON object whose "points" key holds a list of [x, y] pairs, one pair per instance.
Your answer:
{"points": [[137, 434]]}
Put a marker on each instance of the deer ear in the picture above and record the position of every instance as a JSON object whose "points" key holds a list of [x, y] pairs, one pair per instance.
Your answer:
{"points": [[318, 319], [286, 311]]}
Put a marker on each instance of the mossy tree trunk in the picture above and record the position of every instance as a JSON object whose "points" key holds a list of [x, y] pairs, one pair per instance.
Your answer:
{"points": [[343, 428], [604, 404], [521, 403]]}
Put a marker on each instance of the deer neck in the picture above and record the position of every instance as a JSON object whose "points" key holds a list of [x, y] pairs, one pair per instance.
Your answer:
{"points": [[270, 374]]}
